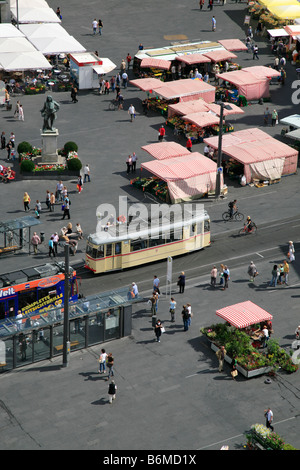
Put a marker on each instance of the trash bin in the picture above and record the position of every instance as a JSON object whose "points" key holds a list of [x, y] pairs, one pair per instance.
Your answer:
{"points": [[153, 320]]}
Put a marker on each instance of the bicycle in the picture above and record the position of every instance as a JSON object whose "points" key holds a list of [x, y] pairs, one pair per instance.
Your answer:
{"points": [[235, 216], [245, 230], [113, 105]]}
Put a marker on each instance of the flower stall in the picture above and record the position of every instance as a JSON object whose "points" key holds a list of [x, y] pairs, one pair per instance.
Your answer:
{"points": [[262, 438], [242, 337]]}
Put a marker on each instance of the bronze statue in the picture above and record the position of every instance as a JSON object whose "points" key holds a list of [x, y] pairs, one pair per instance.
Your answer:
{"points": [[49, 113]]}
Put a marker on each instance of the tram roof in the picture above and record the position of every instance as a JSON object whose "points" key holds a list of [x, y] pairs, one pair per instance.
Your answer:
{"points": [[122, 232]]}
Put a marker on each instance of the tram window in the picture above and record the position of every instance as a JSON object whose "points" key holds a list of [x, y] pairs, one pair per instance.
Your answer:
{"points": [[45, 292], [26, 298], [100, 252], [2, 310], [137, 245], [118, 247], [170, 237], [108, 250], [207, 226], [192, 229], [91, 251], [156, 241]]}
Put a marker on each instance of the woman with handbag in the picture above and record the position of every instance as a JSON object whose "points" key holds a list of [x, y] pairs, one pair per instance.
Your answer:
{"points": [[158, 330], [234, 371]]}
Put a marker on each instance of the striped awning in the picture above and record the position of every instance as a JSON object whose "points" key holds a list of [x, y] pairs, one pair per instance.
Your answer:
{"points": [[244, 314], [233, 45], [164, 150], [150, 62], [220, 55], [192, 59]]}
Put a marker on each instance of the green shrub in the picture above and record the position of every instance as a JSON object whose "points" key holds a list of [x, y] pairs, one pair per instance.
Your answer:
{"points": [[70, 147], [24, 147], [27, 165], [74, 164]]}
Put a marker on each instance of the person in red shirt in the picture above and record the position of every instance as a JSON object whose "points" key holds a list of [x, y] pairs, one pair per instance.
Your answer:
{"points": [[161, 133], [128, 58], [189, 144]]}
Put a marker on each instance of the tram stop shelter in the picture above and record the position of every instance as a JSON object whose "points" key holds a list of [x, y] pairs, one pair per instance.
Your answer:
{"points": [[15, 233], [244, 314], [38, 336]]}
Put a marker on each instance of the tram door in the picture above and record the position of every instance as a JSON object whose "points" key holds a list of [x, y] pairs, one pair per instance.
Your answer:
{"points": [[112, 261], [8, 308]]}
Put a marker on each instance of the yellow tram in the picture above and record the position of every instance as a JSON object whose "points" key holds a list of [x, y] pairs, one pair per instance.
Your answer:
{"points": [[112, 250]]}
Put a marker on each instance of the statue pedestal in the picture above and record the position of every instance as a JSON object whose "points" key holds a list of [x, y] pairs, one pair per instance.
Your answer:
{"points": [[49, 147]]}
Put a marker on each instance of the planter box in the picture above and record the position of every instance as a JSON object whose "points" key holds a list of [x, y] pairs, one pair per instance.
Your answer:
{"points": [[50, 175], [246, 373]]}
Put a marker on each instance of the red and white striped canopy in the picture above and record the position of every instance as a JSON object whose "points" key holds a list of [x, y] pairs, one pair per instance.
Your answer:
{"points": [[233, 44], [244, 314], [164, 150], [150, 62], [147, 84], [220, 55], [191, 59]]}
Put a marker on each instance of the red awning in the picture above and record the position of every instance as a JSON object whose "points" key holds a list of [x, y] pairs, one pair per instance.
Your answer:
{"points": [[220, 55], [233, 45], [191, 59], [150, 62], [164, 150], [244, 314]]}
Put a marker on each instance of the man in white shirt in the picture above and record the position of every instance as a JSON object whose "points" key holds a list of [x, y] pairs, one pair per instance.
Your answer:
{"points": [[131, 112], [124, 79], [86, 172], [95, 24]]}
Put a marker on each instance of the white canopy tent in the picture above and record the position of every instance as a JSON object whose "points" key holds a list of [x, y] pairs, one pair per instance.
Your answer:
{"points": [[34, 15], [106, 66], [43, 30], [8, 30], [18, 45], [58, 45], [12, 61]]}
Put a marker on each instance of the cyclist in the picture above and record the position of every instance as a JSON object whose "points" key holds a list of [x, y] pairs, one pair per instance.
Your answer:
{"points": [[249, 224], [232, 207]]}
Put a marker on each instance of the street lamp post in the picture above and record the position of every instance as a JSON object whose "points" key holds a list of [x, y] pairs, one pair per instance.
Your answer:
{"points": [[219, 160], [66, 339]]}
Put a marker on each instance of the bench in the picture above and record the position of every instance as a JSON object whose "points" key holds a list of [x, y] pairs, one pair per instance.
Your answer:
{"points": [[60, 346], [7, 249]]}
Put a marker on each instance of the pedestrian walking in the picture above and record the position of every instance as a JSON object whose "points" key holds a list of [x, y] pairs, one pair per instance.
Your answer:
{"points": [[266, 117], [201, 3], [269, 418], [79, 184], [38, 209], [275, 274], [152, 302], [210, 5], [221, 353], [86, 173], [291, 252], [102, 361], [66, 208], [35, 241], [158, 330], [3, 140], [181, 282], [255, 52], [172, 309], [161, 133], [112, 388], [110, 365], [134, 159], [213, 276], [131, 112], [26, 202], [128, 59], [190, 313], [74, 94], [213, 23], [156, 283], [226, 275], [252, 271], [17, 108], [185, 317], [51, 248], [189, 144], [124, 79], [94, 26], [286, 270], [48, 199], [21, 113], [129, 164], [52, 202], [100, 26], [274, 117], [234, 371], [55, 241]]}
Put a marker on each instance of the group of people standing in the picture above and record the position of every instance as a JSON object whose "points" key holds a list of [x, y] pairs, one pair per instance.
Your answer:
{"points": [[224, 276]]}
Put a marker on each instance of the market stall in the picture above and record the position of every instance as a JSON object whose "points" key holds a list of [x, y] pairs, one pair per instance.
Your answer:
{"points": [[244, 84], [87, 67], [179, 179], [165, 150], [186, 90], [156, 68], [189, 62], [257, 156], [244, 314], [293, 121], [222, 60], [233, 45], [200, 125]]}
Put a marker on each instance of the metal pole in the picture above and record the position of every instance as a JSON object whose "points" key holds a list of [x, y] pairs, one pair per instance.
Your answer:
{"points": [[219, 162], [18, 14], [66, 341]]}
